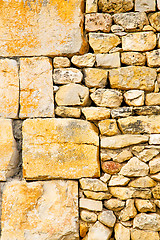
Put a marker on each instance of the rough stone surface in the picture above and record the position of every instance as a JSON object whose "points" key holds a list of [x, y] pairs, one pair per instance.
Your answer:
{"points": [[48, 154], [108, 60], [93, 185], [67, 75], [103, 42], [143, 41], [88, 216], [154, 139], [154, 20], [111, 167], [91, 6], [61, 62], [134, 97], [122, 193], [36, 96], [27, 218], [129, 211], [68, 112], [147, 110], [127, 78], [96, 113], [133, 58], [90, 204], [121, 112], [154, 165], [108, 127], [145, 5], [114, 204], [107, 218], [123, 156], [158, 4], [113, 6], [118, 180], [147, 221], [95, 77], [152, 99], [97, 195], [98, 22], [99, 232], [86, 60], [121, 232], [147, 154], [145, 205], [143, 235], [153, 58], [156, 192], [142, 182]]}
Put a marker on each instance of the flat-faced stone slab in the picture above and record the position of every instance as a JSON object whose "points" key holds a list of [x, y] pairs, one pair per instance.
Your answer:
{"points": [[41, 210], [60, 148], [42, 28]]}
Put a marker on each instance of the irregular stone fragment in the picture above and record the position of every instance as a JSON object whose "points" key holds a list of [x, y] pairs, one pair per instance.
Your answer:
{"points": [[68, 112], [123, 193], [157, 202], [90, 204], [127, 78], [108, 127], [105, 178], [96, 113], [154, 165], [134, 97], [103, 42], [147, 221], [152, 99], [158, 4], [67, 75], [49, 28], [95, 77], [72, 94], [93, 185], [147, 154], [27, 218], [113, 6], [99, 232], [114, 204], [88, 216], [154, 20], [143, 235], [9, 88], [86, 60], [108, 60], [61, 62], [129, 211], [83, 228], [123, 156], [121, 141], [107, 98], [117, 29], [133, 58], [135, 168], [111, 167], [142, 193], [142, 182], [91, 6], [145, 5], [36, 85], [98, 22], [156, 192], [118, 180], [132, 21], [121, 232], [153, 58], [140, 124], [107, 218], [145, 205], [121, 112], [147, 110], [156, 177], [140, 41], [154, 139], [97, 195]]}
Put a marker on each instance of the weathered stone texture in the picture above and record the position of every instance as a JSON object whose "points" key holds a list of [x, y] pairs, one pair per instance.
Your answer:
{"points": [[108, 60], [61, 62], [96, 113], [134, 97], [94, 77], [133, 58], [68, 112], [91, 6], [153, 58], [113, 6], [145, 5], [154, 20], [152, 99], [147, 221], [144, 235], [98, 21], [67, 75], [86, 60]]}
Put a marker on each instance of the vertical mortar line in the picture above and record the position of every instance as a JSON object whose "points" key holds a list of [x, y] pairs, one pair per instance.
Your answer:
{"points": [[19, 106], [53, 85]]}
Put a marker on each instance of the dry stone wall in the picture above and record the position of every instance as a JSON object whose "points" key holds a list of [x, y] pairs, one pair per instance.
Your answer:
{"points": [[80, 119]]}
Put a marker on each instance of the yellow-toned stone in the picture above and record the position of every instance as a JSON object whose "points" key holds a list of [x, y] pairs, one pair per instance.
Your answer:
{"points": [[147, 221], [153, 58], [95, 77], [61, 62], [145, 5], [145, 205], [142, 182], [134, 97], [91, 6], [103, 42], [143, 235], [113, 6], [68, 112], [86, 60], [28, 220], [156, 192], [9, 88], [108, 127], [36, 96], [133, 58], [42, 28], [154, 20], [83, 228], [9, 157], [123, 156], [60, 148], [143, 41], [129, 211], [121, 232], [96, 113], [127, 78], [97, 195], [152, 99]]}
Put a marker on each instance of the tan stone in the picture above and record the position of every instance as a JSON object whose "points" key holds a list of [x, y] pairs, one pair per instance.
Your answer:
{"points": [[118, 180], [147, 221], [142, 193], [114, 204], [132, 21], [86, 60], [121, 232], [93, 185], [103, 42], [140, 124], [91, 6], [123, 193], [157, 202], [121, 141], [154, 20], [158, 4], [154, 139], [90, 204], [154, 165], [107, 98], [108, 127], [108, 60], [113, 6], [36, 85], [147, 154], [156, 177], [156, 192], [88, 216], [67, 75], [98, 22], [148, 28], [135, 168], [118, 30], [96, 113], [145, 205], [123, 156], [95, 77], [153, 58], [147, 110], [111, 167], [152, 99], [72, 94], [143, 235], [68, 112], [99, 232], [9, 88], [27, 218], [97, 195], [83, 228], [127, 78], [55, 148], [129, 211], [133, 58], [134, 97], [122, 112], [145, 5], [61, 62], [107, 217], [142, 182], [141, 41]]}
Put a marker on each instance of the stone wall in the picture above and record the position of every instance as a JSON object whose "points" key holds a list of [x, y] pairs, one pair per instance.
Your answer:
{"points": [[80, 119]]}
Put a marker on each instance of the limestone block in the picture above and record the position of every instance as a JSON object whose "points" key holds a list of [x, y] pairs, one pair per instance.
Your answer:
{"points": [[114, 204], [129, 211], [88, 216], [154, 139], [145, 5], [143, 235], [86, 60], [97, 195], [154, 165], [108, 127], [68, 112], [154, 20], [36, 85], [72, 94], [121, 112], [108, 60], [91, 6], [156, 192], [103, 42], [156, 177], [45, 28], [93, 185], [153, 58], [147, 154], [107, 218], [98, 22], [123, 156], [122, 193], [9, 88], [147, 110], [142, 182], [141, 41], [147, 221], [134, 97], [132, 21], [158, 4], [99, 232], [83, 228], [55, 148], [133, 58], [113, 6], [127, 78], [94, 77], [61, 62], [67, 75], [145, 205], [90, 204], [36, 208], [121, 232], [152, 99], [140, 124], [118, 180], [96, 113]]}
